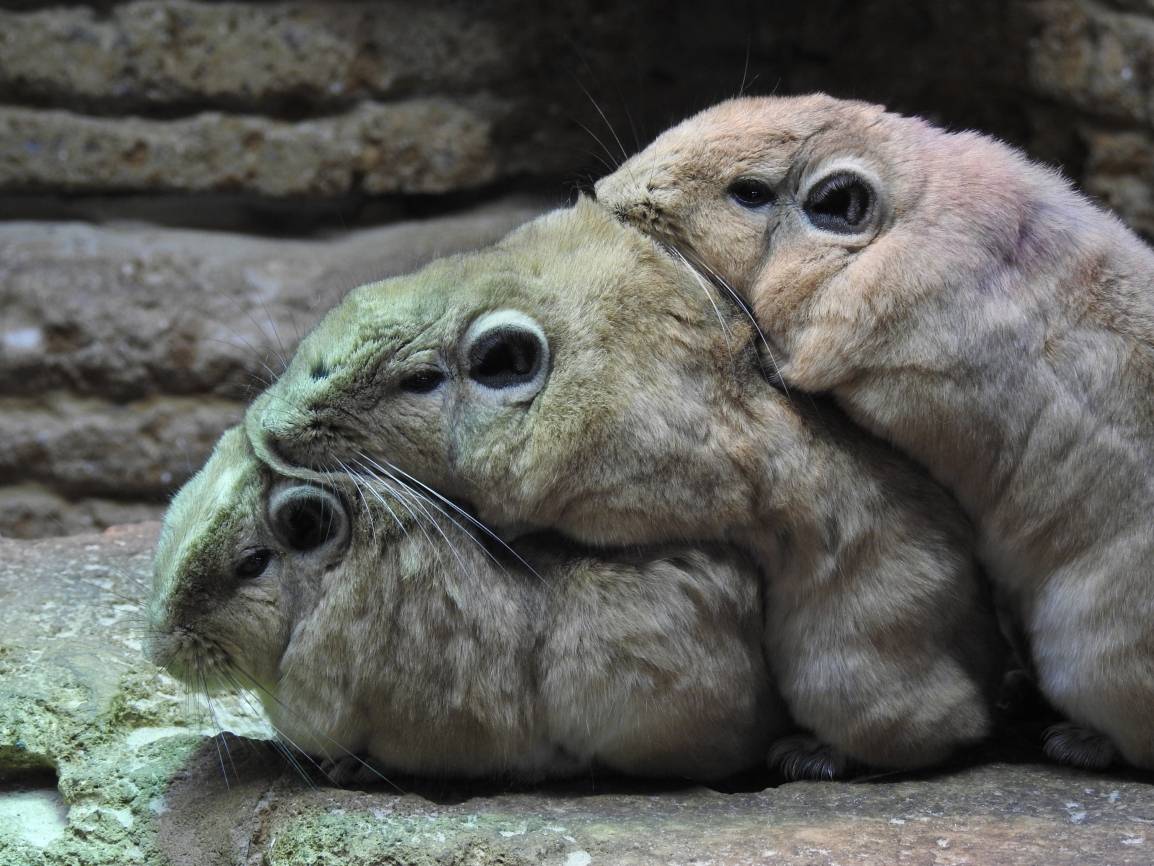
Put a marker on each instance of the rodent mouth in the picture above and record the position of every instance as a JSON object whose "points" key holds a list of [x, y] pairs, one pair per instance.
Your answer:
{"points": [[192, 660], [285, 456]]}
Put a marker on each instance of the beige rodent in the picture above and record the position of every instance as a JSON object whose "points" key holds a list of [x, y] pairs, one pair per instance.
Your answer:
{"points": [[969, 306], [369, 624], [577, 377]]}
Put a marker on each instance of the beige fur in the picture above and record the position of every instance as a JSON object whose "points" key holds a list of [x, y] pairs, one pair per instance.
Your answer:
{"points": [[985, 318], [400, 638], [652, 421]]}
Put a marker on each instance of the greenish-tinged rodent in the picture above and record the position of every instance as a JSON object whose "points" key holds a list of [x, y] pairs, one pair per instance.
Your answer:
{"points": [[370, 624], [579, 377]]}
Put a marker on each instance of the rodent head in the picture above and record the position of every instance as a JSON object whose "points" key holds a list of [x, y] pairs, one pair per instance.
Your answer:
{"points": [[240, 556], [574, 361], [823, 213]]}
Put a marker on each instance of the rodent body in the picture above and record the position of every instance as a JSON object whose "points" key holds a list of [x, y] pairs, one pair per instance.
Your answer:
{"points": [[970, 307], [368, 623], [577, 377]]}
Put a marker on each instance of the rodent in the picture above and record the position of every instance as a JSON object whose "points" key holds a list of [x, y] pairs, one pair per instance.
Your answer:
{"points": [[370, 624], [971, 307], [577, 377]]}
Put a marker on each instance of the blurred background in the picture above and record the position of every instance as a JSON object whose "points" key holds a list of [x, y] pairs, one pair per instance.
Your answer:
{"points": [[186, 186]]}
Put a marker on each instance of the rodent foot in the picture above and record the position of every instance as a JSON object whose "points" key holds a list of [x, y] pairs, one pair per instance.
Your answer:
{"points": [[1070, 743], [804, 756]]}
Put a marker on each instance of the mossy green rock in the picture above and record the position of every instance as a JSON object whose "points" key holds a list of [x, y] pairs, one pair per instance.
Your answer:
{"points": [[105, 760]]}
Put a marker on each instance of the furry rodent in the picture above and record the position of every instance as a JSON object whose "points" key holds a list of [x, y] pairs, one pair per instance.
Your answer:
{"points": [[579, 378], [369, 624], [969, 306]]}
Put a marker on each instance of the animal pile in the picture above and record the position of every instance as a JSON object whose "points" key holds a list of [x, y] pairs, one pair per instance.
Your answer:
{"points": [[769, 452]]}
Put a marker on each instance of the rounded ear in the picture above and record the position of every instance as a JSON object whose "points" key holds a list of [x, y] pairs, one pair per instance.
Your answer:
{"points": [[506, 353], [843, 198], [308, 519]]}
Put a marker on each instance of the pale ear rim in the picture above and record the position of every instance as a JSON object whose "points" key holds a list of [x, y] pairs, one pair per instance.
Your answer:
{"points": [[506, 353], [844, 172], [308, 519]]}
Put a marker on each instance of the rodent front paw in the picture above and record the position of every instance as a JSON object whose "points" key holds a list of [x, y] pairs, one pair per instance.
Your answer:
{"points": [[1070, 743], [803, 756]]}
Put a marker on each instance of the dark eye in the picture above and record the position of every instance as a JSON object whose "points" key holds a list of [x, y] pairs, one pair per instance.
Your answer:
{"points": [[839, 203], [253, 564], [750, 192], [422, 381]]}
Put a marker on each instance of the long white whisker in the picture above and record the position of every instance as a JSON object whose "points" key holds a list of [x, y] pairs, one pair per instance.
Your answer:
{"points": [[449, 503], [395, 492], [612, 131], [216, 741], [701, 281], [401, 494], [286, 751], [257, 686], [717, 278]]}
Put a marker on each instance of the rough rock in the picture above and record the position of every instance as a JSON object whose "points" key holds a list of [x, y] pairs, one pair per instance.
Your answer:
{"points": [[1120, 172], [415, 146], [103, 761], [124, 352], [1099, 60], [295, 99], [92, 447], [160, 53], [31, 510]]}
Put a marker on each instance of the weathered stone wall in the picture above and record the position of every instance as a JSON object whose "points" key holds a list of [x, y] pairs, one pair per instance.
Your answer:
{"points": [[186, 186]]}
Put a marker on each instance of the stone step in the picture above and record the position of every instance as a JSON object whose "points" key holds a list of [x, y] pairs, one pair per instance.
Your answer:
{"points": [[104, 760]]}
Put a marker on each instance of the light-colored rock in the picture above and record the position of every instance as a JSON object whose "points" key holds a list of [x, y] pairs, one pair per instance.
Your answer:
{"points": [[85, 446], [32, 510], [151, 52], [1120, 172], [1094, 58], [425, 145], [101, 761]]}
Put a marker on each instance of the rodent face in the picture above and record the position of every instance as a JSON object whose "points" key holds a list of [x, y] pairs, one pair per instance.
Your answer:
{"points": [[576, 362], [239, 556], [789, 200]]}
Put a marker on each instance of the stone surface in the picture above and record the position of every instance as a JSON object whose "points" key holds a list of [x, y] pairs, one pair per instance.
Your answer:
{"points": [[416, 146], [262, 54], [103, 760], [124, 352], [1094, 58], [294, 99]]}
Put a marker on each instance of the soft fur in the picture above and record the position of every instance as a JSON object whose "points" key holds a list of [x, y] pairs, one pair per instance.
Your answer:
{"points": [[409, 643], [988, 320], [656, 423]]}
